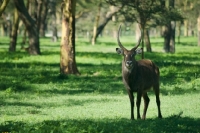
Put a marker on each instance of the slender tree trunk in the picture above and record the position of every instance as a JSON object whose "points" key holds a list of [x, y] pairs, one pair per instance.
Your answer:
{"points": [[172, 38], [39, 4], [96, 24], [179, 31], [24, 40], [54, 28], [34, 44], [107, 18], [173, 29], [169, 32], [167, 36], [147, 40], [67, 57], [186, 28], [13, 39], [198, 24], [44, 13]]}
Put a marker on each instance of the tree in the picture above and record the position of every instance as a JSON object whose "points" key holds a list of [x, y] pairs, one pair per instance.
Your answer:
{"points": [[140, 12], [15, 25], [31, 26], [52, 13], [96, 24], [113, 10], [198, 24], [67, 48], [44, 14], [168, 20], [169, 30]]}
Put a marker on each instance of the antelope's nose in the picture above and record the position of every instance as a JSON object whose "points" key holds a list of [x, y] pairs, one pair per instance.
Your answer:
{"points": [[129, 63]]}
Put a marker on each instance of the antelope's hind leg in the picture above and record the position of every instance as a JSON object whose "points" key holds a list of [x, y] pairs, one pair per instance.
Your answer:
{"points": [[157, 93]]}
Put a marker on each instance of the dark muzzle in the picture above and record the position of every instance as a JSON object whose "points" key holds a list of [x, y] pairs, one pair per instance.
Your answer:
{"points": [[129, 64]]}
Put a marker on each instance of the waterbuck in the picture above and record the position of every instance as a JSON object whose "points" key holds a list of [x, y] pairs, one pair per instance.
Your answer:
{"points": [[138, 76]]}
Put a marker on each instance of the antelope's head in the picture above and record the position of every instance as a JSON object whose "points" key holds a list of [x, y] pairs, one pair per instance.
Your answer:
{"points": [[129, 55]]}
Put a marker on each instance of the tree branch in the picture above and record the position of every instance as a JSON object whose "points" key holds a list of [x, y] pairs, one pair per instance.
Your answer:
{"points": [[3, 6]]}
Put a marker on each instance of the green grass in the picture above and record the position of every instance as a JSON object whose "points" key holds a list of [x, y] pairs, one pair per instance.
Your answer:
{"points": [[35, 98]]}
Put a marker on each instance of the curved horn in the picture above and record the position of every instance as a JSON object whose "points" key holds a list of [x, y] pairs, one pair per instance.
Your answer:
{"points": [[138, 43], [119, 43]]}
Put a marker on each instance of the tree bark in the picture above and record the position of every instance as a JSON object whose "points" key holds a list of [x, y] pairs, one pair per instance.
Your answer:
{"points": [[13, 39], [107, 18], [24, 40], [147, 40], [198, 24], [67, 48], [179, 31], [172, 38], [169, 32], [186, 24], [54, 28], [44, 13], [96, 24], [31, 26], [39, 5], [173, 29]]}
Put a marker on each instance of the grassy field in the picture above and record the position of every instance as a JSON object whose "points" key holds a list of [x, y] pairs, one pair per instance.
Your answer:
{"points": [[36, 99]]}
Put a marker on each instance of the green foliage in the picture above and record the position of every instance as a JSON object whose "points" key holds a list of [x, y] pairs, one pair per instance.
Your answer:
{"points": [[35, 98]]}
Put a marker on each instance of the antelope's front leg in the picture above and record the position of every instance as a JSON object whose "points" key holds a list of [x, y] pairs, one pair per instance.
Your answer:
{"points": [[139, 95], [131, 97]]}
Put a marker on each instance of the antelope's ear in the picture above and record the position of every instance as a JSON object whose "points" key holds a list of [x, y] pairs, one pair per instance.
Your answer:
{"points": [[138, 51], [119, 51]]}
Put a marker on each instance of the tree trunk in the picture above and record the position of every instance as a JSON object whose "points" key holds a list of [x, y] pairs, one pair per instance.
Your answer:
{"points": [[44, 13], [24, 40], [173, 29], [67, 49], [198, 24], [107, 18], [172, 38], [54, 28], [39, 5], [186, 25], [96, 25], [147, 40], [166, 34], [179, 31], [169, 33], [34, 44], [13, 39]]}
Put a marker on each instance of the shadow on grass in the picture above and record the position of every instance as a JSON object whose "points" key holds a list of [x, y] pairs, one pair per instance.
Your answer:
{"points": [[24, 78], [100, 78], [170, 124]]}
